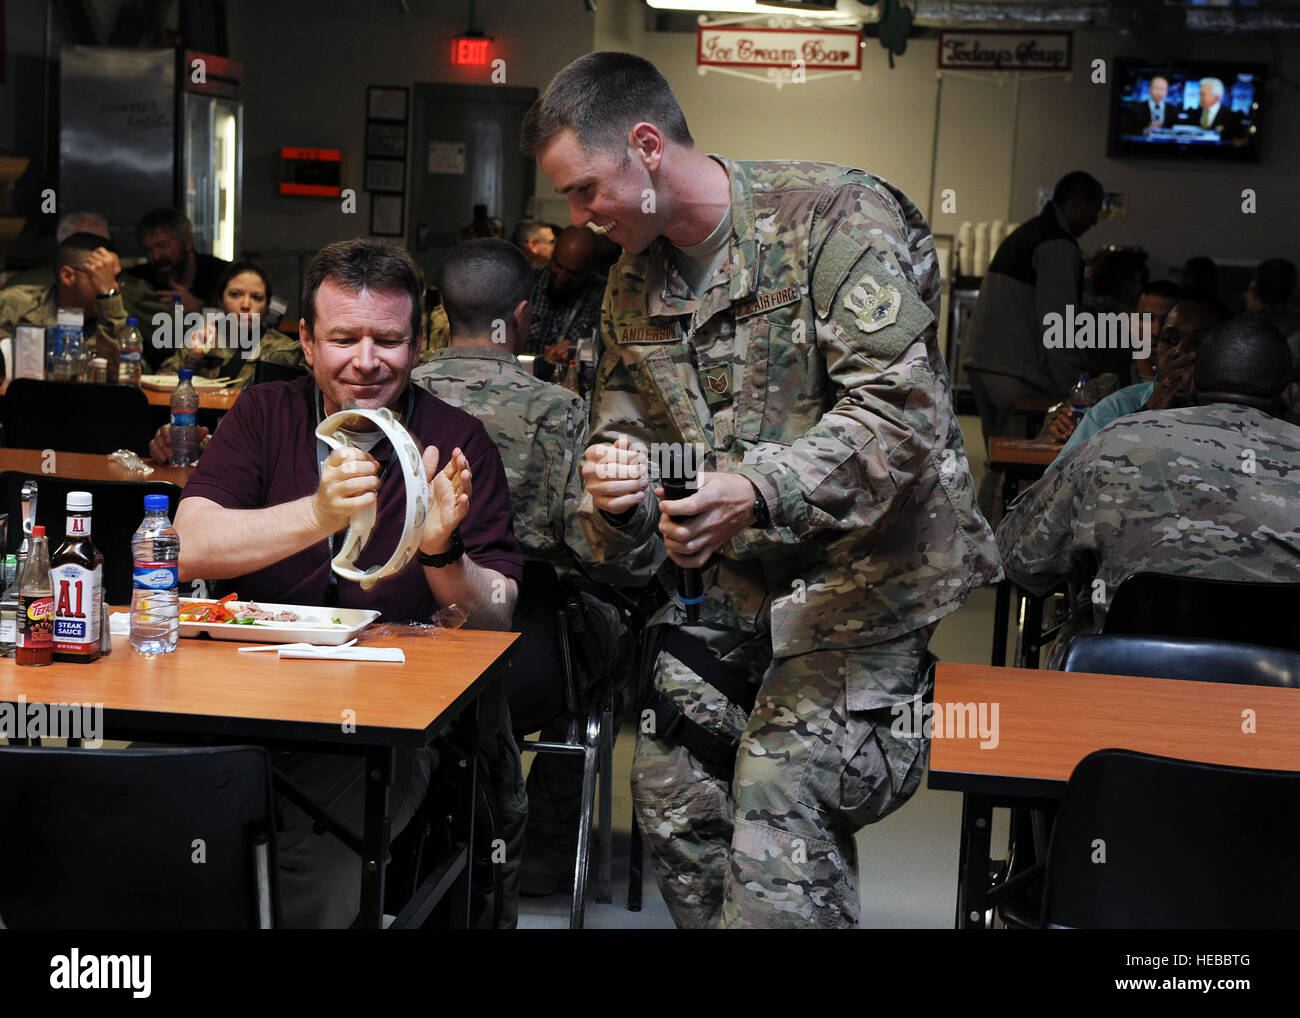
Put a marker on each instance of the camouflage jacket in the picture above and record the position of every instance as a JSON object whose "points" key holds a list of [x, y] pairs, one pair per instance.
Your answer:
{"points": [[138, 296], [540, 430], [437, 335], [1207, 491], [810, 365], [274, 347], [38, 305]]}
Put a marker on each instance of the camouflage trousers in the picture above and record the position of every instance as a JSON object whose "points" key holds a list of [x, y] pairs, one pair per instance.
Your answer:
{"points": [[817, 761]]}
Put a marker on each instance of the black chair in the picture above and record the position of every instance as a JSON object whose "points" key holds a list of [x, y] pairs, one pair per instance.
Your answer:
{"points": [[1151, 604], [76, 417], [1155, 657], [548, 679], [266, 371], [137, 838], [1167, 657], [1186, 846], [118, 510]]}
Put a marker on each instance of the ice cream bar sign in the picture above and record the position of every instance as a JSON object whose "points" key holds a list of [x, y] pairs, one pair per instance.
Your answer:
{"points": [[991, 50], [810, 49]]}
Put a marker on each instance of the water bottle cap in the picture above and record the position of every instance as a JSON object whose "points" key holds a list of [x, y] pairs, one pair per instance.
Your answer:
{"points": [[38, 531], [153, 503], [80, 501], [185, 374], [133, 322]]}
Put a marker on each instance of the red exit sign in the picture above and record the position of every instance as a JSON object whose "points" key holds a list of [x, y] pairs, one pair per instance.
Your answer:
{"points": [[470, 49]]}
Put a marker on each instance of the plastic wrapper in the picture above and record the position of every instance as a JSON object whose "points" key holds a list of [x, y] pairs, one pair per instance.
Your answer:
{"points": [[451, 617], [131, 462]]}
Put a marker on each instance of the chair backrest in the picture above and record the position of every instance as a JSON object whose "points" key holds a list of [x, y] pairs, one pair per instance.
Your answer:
{"points": [[76, 417], [162, 838], [267, 371], [534, 677], [1152, 604], [1148, 842], [1161, 657], [117, 512]]}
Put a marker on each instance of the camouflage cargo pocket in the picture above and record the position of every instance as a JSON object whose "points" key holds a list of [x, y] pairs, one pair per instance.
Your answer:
{"points": [[885, 752]]}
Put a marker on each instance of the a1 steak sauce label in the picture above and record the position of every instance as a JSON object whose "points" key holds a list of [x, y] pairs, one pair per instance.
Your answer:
{"points": [[78, 592]]}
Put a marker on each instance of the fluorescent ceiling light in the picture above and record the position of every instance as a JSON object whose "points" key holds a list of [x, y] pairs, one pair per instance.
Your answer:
{"points": [[740, 7]]}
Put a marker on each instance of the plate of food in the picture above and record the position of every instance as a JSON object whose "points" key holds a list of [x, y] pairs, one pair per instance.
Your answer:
{"points": [[166, 383], [261, 622]]}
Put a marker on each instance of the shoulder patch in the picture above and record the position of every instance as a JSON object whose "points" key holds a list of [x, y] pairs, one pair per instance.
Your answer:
{"points": [[879, 310]]}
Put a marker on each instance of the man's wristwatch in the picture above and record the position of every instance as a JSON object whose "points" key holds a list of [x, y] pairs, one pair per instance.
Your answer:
{"points": [[455, 549], [762, 518]]}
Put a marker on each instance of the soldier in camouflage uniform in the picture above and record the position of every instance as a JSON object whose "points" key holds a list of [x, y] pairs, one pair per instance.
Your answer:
{"points": [[540, 430], [1209, 490], [87, 279], [835, 490], [274, 347]]}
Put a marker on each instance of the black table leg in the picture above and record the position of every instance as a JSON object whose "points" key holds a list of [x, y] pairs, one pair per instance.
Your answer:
{"points": [[973, 862], [462, 831], [380, 762]]}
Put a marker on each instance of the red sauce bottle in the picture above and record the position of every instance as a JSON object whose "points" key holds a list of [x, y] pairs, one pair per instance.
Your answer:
{"points": [[36, 606]]}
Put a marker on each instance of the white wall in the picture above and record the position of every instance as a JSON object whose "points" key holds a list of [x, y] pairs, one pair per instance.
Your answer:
{"points": [[885, 123]]}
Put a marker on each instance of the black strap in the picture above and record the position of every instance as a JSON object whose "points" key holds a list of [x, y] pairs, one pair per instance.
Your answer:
{"points": [[715, 753], [731, 682]]}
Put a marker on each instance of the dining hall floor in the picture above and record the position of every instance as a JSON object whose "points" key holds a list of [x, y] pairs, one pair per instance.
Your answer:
{"points": [[907, 863]]}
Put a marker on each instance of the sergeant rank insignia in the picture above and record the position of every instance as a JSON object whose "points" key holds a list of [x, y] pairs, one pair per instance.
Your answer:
{"points": [[876, 307], [718, 383]]}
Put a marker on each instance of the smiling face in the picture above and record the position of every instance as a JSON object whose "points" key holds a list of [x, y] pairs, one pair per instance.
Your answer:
{"points": [[600, 190], [362, 347], [245, 295]]}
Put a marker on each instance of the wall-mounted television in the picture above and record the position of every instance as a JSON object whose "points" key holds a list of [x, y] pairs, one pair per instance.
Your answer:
{"points": [[1188, 110]]}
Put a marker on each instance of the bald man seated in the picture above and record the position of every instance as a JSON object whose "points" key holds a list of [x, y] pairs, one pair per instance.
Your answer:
{"points": [[1206, 490], [565, 301]]}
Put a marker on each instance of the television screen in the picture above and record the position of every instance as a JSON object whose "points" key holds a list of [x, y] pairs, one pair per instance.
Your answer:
{"points": [[1189, 110]]}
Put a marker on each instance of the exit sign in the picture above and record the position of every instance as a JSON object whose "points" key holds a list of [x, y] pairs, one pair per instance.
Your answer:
{"points": [[470, 49]]}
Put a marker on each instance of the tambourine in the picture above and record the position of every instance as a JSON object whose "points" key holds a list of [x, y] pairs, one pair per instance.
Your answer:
{"points": [[362, 523]]}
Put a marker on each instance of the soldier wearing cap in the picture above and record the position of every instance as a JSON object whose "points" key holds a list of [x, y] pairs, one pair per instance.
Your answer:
{"points": [[780, 318]]}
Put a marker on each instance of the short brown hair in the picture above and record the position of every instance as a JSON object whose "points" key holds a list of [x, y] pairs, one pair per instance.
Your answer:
{"points": [[365, 264], [600, 97]]}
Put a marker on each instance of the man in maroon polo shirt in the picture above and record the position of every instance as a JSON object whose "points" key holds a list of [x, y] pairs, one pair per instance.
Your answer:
{"points": [[266, 508]]}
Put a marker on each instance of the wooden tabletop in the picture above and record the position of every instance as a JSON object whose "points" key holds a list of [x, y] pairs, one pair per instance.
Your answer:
{"points": [[81, 466], [207, 686], [1022, 452], [1048, 721], [209, 399]]}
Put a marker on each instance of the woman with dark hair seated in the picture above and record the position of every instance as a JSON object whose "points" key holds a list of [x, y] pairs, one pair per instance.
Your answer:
{"points": [[229, 348]]}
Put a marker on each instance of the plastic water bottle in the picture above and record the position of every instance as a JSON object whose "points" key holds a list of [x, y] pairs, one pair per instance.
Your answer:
{"points": [[1079, 401], [185, 425], [132, 352], [155, 551]]}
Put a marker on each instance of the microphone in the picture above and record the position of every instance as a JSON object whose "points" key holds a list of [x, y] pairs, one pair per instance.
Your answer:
{"points": [[677, 478]]}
